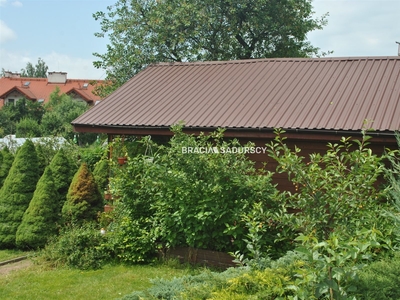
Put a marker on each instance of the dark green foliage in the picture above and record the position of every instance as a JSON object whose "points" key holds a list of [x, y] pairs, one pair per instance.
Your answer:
{"points": [[91, 155], [380, 280], [40, 220], [7, 159], [76, 247], [10, 115], [28, 127], [101, 174], [84, 200], [17, 192]]}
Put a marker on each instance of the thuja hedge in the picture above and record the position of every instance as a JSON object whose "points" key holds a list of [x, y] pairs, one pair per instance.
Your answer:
{"points": [[17, 192]]}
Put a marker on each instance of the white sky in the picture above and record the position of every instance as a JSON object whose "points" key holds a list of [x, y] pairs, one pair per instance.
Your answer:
{"points": [[61, 32]]}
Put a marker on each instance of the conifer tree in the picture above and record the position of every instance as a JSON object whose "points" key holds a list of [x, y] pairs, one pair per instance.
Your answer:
{"points": [[41, 219], [63, 170], [17, 192], [84, 200], [7, 159]]}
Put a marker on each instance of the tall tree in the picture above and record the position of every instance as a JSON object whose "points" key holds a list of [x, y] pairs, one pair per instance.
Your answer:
{"points": [[17, 192], [38, 71], [147, 31]]}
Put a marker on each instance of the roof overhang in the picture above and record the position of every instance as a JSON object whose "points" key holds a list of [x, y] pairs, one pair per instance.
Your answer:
{"points": [[240, 132]]}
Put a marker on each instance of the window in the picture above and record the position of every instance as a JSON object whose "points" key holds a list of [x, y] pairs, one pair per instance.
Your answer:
{"points": [[11, 101]]}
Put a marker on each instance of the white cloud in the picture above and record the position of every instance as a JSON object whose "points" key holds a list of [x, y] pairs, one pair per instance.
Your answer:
{"points": [[17, 3], [6, 33], [76, 68], [358, 28]]}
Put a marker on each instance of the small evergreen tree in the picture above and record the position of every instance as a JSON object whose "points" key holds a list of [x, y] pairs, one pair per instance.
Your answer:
{"points": [[6, 163], [84, 200], [63, 170], [17, 192], [39, 222]]}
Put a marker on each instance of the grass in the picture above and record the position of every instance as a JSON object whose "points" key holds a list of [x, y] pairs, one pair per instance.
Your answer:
{"points": [[111, 282], [9, 254]]}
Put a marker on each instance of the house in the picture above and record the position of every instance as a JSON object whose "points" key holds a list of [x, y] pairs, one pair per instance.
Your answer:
{"points": [[316, 100], [14, 87]]}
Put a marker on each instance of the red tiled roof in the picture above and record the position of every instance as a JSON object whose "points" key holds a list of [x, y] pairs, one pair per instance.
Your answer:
{"points": [[316, 93], [40, 88]]}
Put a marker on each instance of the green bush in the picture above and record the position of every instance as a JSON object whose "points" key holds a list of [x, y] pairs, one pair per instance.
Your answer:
{"points": [[335, 191], [41, 219], [17, 192], [83, 199], [380, 280], [76, 247], [101, 174], [191, 199]]}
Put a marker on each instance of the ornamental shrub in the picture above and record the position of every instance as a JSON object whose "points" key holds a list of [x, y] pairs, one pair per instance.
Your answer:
{"points": [[63, 170], [77, 246], [17, 192], [380, 280], [335, 191], [7, 159], [41, 219], [189, 199], [84, 200]]}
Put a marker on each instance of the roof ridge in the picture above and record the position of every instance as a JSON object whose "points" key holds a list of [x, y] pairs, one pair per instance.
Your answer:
{"points": [[288, 59]]}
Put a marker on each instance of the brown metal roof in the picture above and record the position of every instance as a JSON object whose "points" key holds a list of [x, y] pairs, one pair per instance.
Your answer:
{"points": [[317, 93]]}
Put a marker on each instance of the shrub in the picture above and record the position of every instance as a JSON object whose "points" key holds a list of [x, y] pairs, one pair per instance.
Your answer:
{"points": [[40, 220], [7, 159], [335, 192], [192, 199], [83, 199], [17, 192], [76, 247], [380, 280], [101, 174]]}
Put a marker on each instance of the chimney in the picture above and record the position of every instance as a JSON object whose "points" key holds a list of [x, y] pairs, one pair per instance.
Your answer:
{"points": [[9, 74], [57, 77], [398, 51]]}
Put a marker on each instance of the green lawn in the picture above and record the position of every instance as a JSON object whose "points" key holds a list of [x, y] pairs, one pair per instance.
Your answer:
{"points": [[9, 254], [111, 282]]}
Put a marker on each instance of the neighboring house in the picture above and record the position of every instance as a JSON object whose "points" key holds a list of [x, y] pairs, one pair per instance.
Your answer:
{"points": [[316, 100], [14, 87]]}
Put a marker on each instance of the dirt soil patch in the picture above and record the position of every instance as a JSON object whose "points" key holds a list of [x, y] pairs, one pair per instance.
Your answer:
{"points": [[6, 269]]}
